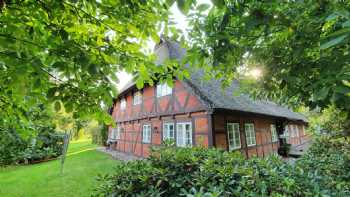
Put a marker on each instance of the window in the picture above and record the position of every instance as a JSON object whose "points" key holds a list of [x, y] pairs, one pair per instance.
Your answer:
{"points": [[294, 130], [274, 137], [234, 139], [146, 133], [184, 134], [286, 131], [122, 104], [168, 131], [115, 134], [137, 98], [250, 134], [163, 90]]}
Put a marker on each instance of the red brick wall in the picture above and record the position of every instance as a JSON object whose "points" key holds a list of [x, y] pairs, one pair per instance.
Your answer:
{"points": [[183, 100], [131, 139], [182, 105]]}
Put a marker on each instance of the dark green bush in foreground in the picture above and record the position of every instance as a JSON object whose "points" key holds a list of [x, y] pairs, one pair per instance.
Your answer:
{"points": [[171, 171]]}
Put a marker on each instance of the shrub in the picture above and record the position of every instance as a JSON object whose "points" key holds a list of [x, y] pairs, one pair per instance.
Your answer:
{"points": [[99, 134], [327, 167], [171, 171], [11, 146], [14, 149]]}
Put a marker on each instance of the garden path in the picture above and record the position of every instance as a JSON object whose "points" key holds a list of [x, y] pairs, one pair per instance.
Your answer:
{"points": [[118, 155]]}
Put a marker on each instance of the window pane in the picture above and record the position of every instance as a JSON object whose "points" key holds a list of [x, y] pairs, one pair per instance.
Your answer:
{"points": [[250, 134], [137, 98], [146, 133], [286, 131], [297, 130], [169, 90], [158, 90], [183, 134], [168, 131], [149, 134], [273, 133], [163, 90], [233, 136], [179, 135], [171, 131], [122, 103], [188, 134]]}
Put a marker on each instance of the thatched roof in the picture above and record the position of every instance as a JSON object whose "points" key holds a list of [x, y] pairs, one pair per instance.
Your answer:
{"points": [[215, 97]]}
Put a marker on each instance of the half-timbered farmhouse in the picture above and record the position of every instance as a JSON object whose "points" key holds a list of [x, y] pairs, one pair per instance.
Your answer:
{"points": [[195, 112]]}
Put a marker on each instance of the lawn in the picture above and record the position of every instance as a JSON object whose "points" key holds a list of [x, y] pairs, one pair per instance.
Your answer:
{"points": [[82, 165]]}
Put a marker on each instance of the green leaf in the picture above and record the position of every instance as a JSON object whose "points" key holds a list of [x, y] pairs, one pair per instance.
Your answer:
{"points": [[57, 106], [37, 83], [333, 42], [203, 7], [155, 37], [322, 93], [93, 69], [139, 83], [51, 92], [342, 89], [184, 5], [346, 24], [170, 2], [339, 32], [170, 81], [218, 3], [332, 16]]}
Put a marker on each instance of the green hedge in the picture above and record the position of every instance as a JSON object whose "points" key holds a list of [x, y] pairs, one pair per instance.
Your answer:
{"points": [[197, 171], [15, 150]]}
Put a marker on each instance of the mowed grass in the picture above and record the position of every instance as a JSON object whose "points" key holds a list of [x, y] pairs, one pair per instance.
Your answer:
{"points": [[81, 167]]}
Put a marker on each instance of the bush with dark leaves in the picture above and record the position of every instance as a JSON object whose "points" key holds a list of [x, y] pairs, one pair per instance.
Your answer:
{"points": [[171, 171]]}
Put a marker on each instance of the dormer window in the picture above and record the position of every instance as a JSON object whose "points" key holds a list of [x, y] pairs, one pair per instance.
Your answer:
{"points": [[163, 90], [137, 98], [122, 104]]}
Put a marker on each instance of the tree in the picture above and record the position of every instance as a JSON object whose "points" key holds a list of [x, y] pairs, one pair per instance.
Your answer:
{"points": [[68, 52], [301, 47], [330, 120]]}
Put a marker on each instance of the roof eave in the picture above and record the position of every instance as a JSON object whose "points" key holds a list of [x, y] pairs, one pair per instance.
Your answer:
{"points": [[218, 109]]}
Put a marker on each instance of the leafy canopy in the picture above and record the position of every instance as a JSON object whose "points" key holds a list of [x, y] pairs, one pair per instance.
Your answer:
{"points": [[301, 47], [68, 53]]}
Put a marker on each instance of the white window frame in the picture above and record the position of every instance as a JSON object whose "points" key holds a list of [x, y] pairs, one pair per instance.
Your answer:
{"points": [[274, 136], [115, 133], [137, 99], [146, 133], [232, 131], [167, 131], [184, 138], [286, 131], [163, 90], [250, 134], [122, 103]]}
